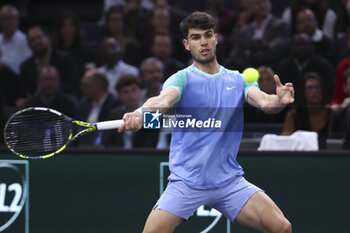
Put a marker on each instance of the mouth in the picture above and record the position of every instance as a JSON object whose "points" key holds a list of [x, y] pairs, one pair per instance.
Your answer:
{"points": [[204, 51]]}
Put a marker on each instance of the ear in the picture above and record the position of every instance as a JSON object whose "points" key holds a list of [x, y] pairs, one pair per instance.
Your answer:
{"points": [[186, 44], [216, 38]]}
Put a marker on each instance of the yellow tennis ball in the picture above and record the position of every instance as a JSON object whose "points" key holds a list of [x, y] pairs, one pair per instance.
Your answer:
{"points": [[251, 75]]}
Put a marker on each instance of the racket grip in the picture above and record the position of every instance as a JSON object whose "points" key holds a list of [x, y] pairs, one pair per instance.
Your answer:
{"points": [[104, 125]]}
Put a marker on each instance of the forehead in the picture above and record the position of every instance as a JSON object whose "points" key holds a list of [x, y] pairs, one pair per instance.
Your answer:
{"points": [[162, 38], [8, 11], [115, 15], [305, 14], [130, 87], [34, 32], [153, 65], [312, 81], [109, 43]]}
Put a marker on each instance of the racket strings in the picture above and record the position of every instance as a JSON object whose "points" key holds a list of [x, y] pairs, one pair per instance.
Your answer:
{"points": [[37, 132]]}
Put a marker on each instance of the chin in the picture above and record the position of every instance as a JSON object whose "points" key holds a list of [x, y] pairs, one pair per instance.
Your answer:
{"points": [[205, 61]]}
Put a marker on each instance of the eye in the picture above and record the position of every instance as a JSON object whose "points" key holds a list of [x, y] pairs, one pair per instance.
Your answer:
{"points": [[195, 37], [209, 34]]}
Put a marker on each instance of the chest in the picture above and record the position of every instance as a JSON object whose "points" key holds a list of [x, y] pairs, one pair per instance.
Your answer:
{"points": [[223, 91]]}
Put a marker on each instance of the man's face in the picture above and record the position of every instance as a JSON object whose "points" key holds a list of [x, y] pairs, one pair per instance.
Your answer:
{"points": [[202, 45], [68, 29], [302, 47], [267, 83], [87, 86], [115, 23], [130, 95], [162, 47], [9, 20], [110, 52], [161, 19], [48, 81], [153, 73], [38, 41], [306, 22], [261, 8]]}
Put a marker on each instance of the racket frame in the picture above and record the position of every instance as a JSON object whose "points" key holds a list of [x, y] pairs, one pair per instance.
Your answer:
{"points": [[90, 127]]}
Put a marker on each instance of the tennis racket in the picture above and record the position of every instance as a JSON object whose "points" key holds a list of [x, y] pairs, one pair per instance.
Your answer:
{"points": [[40, 133]]}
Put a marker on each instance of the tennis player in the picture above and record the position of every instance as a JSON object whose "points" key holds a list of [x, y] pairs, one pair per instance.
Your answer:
{"points": [[203, 166]]}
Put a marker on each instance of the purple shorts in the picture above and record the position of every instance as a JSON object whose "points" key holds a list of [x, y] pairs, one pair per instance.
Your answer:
{"points": [[182, 200]]}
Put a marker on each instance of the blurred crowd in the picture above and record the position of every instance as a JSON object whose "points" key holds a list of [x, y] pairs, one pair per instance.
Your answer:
{"points": [[95, 61]]}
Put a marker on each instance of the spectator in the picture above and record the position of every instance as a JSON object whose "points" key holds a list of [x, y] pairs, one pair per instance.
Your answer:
{"points": [[162, 49], [176, 15], [306, 22], [115, 28], [44, 55], [96, 103], [341, 48], [243, 15], [266, 81], [343, 18], [152, 75], [223, 15], [342, 110], [310, 112], [302, 60], [325, 16], [8, 84], [129, 90], [160, 22], [338, 91], [49, 94], [68, 38], [113, 66], [13, 42], [267, 31], [136, 16]]}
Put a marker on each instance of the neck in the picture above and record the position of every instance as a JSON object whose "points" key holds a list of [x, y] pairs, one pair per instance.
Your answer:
{"points": [[260, 20], [99, 96], [314, 109], [43, 58], [47, 97], [209, 68], [8, 35], [118, 34], [68, 42], [112, 64]]}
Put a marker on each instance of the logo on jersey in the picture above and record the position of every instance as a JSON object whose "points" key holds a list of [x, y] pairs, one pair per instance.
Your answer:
{"points": [[151, 119]]}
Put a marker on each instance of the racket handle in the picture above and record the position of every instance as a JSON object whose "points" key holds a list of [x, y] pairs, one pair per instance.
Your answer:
{"points": [[104, 125]]}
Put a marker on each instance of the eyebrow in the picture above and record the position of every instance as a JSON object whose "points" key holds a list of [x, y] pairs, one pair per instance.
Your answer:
{"points": [[198, 34]]}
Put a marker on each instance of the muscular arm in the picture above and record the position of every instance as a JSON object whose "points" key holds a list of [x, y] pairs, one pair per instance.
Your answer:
{"points": [[133, 120], [271, 104], [164, 101]]}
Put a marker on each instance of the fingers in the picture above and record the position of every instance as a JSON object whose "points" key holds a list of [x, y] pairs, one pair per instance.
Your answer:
{"points": [[277, 80], [132, 122]]}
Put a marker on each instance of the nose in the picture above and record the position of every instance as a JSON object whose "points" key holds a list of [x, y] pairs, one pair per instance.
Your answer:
{"points": [[203, 41]]}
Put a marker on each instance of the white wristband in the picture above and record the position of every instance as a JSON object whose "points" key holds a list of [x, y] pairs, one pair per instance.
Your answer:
{"points": [[139, 110]]}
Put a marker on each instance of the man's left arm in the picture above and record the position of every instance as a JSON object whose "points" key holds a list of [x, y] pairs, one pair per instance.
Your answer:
{"points": [[272, 104]]}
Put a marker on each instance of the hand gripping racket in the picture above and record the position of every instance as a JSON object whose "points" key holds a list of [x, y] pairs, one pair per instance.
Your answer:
{"points": [[39, 133]]}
